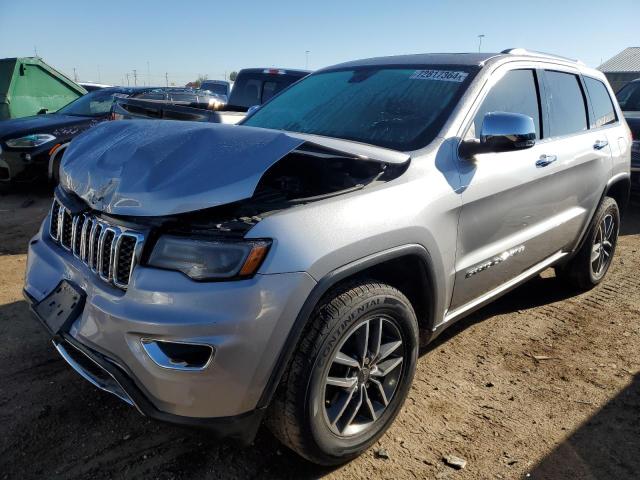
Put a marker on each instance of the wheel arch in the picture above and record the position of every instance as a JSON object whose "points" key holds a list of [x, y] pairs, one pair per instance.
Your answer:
{"points": [[619, 188], [408, 268], [55, 156]]}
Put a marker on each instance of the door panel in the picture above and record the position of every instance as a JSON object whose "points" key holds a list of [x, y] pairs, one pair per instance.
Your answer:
{"points": [[522, 207]]}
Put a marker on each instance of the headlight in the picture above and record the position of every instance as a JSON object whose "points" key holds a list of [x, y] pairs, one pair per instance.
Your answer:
{"points": [[208, 260], [30, 141]]}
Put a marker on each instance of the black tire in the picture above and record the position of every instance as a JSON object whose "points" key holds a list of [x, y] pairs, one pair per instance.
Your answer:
{"points": [[298, 415], [581, 271]]}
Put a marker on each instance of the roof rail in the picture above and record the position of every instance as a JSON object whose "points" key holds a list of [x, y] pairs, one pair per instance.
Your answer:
{"points": [[533, 53]]}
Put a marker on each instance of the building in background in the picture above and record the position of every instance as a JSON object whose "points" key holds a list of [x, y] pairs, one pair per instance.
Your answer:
{"points": [[622, 68]]}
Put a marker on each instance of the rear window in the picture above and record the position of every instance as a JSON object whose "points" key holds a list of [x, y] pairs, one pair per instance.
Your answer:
{"points": [[400, 107], [603, 110], [183, 97], [151, 96], [217, 88], [256, 88], [567, 113]]}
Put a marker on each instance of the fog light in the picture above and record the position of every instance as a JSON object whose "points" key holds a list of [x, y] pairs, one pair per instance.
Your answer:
{"points": [[178, 355]]}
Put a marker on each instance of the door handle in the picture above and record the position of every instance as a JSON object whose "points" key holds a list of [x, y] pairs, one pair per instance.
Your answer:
{"points": [[600, 144], [545, 160]]}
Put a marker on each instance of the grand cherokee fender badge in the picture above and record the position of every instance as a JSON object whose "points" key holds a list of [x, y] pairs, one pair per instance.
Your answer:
{"points": [[495, 261]]}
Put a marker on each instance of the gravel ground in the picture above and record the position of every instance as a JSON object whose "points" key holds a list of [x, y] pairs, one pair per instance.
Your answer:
{"points": [[480, 393]]}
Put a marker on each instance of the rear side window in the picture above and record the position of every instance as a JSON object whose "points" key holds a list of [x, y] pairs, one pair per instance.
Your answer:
{"points": [[516, 92], [603, 110], [567, 113]]}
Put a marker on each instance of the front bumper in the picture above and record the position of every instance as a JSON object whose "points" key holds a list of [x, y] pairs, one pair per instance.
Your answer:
{"points": [[23, 165], [246, 321]]}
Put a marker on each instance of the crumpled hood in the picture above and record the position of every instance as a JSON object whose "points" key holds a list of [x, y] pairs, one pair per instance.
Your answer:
{"points": [[152, 168]]}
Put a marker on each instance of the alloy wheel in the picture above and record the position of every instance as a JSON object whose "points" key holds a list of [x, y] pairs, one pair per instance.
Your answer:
{"points": [[603, 245], [363, 376]]}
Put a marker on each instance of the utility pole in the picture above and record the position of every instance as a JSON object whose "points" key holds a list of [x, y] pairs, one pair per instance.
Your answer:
{"points": [[166, 78], [480, 37], [35, 50], [127, 75], [135, 77], [98, 73], [306, 59], [75, 75], [148, 75]]}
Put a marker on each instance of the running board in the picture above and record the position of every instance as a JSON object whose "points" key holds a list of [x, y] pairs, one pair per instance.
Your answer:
{"points": [[502, 289]]}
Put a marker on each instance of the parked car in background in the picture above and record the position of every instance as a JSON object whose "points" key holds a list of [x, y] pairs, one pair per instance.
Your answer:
{"points": [[90, 86], [252, 87], [287, 270], [629, 99], [219, 87], [29, 86], [31, 147], [174, 104]]}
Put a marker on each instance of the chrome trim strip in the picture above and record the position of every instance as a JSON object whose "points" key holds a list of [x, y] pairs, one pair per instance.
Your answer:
{"points": [[74, 235], [60, 220], [116, 389], [150, 346], [103, 238], [53, 205], [89, 248], [505, 287]]}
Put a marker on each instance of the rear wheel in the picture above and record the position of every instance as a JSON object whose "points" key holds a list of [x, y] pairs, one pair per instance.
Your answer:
{"points": [[592, 262], [350, 374]]}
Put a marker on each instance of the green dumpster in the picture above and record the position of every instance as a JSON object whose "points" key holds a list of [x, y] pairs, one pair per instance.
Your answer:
{"points": [[27, 85]]}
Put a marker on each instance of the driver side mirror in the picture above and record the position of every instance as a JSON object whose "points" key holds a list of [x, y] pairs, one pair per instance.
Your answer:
{"points": [[43, 111], [501, 132]]}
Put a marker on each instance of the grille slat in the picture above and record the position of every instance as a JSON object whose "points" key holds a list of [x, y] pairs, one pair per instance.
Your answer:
{"points": [[106, 249]]}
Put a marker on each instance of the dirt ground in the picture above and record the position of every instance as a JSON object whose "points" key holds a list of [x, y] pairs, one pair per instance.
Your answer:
{"points": [[479, 392]]}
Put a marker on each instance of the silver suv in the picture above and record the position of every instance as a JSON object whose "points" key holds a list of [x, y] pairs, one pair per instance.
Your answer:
{"points": [[287, 269]]}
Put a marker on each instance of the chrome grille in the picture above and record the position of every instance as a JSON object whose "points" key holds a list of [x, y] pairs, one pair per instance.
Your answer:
{"points": [[106, 249]]}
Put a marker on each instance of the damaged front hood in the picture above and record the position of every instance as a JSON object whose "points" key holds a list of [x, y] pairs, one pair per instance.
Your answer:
{"points": [[148, 168], [151, 168]]}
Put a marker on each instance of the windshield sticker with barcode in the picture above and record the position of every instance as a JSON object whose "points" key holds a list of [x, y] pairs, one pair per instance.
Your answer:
{"points": [[441, 75]]}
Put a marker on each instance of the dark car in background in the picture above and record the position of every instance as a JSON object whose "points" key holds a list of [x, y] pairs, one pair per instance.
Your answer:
{"points": [[629, 100], [31, 147]]}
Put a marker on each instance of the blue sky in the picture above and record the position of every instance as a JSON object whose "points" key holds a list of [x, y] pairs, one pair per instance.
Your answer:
{"points": [[105, 40]]}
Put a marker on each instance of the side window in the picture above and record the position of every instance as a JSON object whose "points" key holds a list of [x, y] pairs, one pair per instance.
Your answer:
{"points": [[567, 113], [516, 92], [603, 110]]}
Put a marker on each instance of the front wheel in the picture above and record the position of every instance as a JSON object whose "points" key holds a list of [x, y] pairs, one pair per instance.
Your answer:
{"points": [[590, 265], [350, 374]]}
